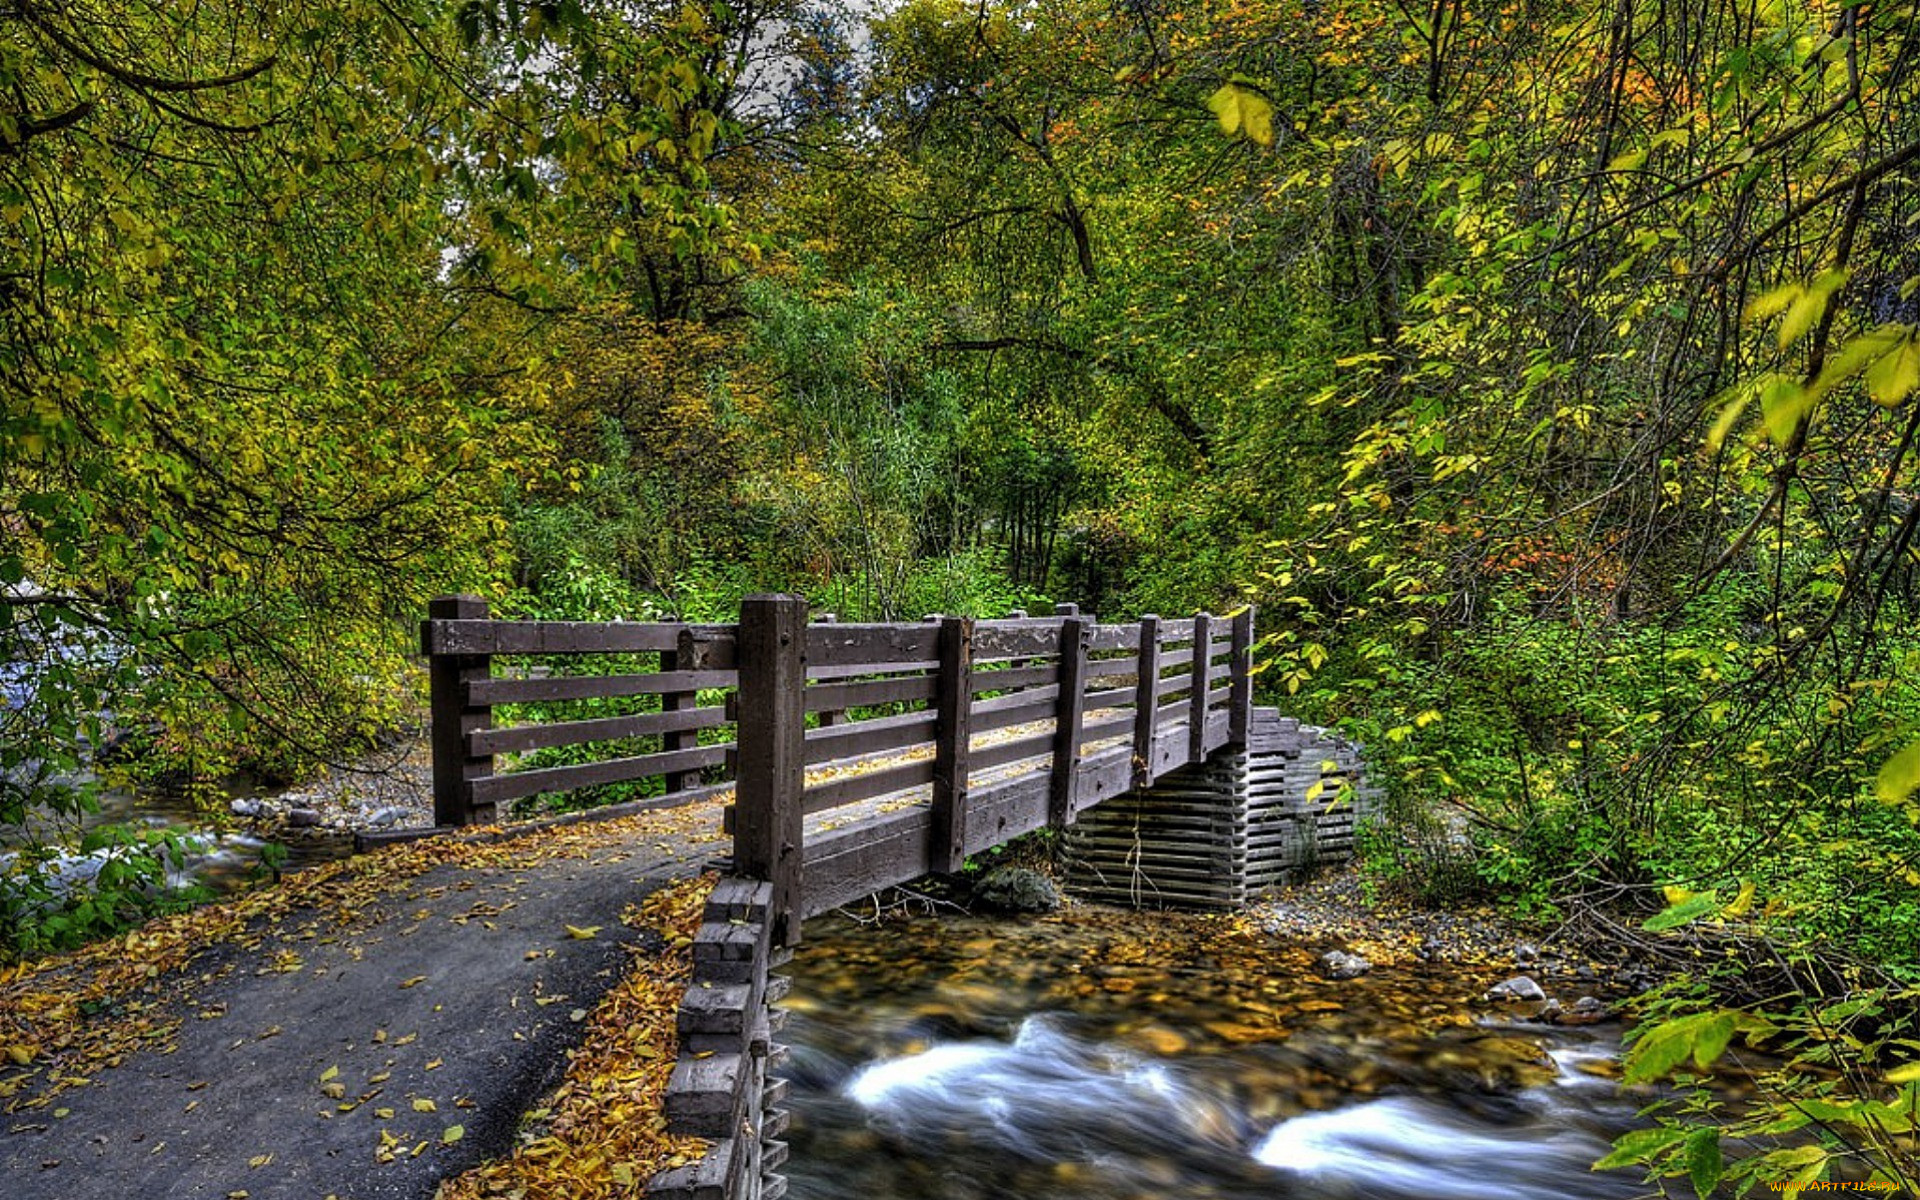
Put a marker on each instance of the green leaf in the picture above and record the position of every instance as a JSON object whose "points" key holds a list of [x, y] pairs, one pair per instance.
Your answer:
{"points": [[1909, 1073], [1712, 1040], [1805, 1162], [1684, 913], [1640, 1146], [1704, 1165]]}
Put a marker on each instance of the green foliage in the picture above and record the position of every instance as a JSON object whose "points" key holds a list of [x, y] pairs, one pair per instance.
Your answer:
{"points": [[117, 876], [1834, 1097]]}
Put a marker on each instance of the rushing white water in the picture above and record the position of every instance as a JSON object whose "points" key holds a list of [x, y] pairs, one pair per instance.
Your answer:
{"points": [[1410, 1146], [1042, 1095], [1047, 1097]]}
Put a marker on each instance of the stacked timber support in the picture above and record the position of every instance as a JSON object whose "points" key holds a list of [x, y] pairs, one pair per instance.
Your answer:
{"points": [[723, 1087], [1217, 833]]}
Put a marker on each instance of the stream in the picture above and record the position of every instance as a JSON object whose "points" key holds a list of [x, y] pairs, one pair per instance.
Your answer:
{"points": [[204, 854], [1098, 1055]]}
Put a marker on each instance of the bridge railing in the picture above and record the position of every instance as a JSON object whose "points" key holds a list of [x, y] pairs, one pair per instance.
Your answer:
{"points": [[910, 746], [653, 696]]}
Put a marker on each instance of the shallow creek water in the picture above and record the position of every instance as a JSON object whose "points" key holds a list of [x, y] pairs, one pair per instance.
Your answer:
{"points": [[1112, 1056], [204, 853]]}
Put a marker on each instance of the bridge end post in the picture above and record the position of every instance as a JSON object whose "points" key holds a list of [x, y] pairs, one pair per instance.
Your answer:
{"points": [[1240, 699], [455, 769], [769, 820]]}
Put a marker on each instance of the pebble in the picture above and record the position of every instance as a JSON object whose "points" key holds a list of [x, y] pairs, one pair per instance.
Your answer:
{"points": [[301, 818], [1520, 988], [1338, 964]]}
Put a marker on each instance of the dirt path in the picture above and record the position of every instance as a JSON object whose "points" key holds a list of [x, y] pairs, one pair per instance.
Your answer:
{"points": [[360, 1031]]}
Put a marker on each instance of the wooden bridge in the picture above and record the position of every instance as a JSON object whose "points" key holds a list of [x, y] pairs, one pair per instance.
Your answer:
{"points": [[860, 756]]}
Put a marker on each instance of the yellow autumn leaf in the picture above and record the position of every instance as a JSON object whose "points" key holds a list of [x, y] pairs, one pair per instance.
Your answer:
{"points": [[1910, 1073], [1895, 376], [1810, 305], [453, 1134], [1899, 777], [425, 1105], [582, 931], [1244, 111], [1676, 894], [1742, 903], [1783, 404]]}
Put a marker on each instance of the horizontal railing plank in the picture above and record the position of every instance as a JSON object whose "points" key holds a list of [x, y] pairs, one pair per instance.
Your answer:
{"points": [[1012, 677], [837, 697], [548, 637], [1094, 731], [995, 640], [848, 645], [986, 758], [868, 737], [521, 738], [1034, 704], [844, 671], [593, 687], [495, 789], [867, 785]]}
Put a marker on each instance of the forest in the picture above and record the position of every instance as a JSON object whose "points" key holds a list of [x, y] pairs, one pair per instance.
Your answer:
{"points": [[1546, 373]]}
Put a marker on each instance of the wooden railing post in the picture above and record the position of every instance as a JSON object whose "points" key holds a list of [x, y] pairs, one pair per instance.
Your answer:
{"points": [[769, 822], [953, 732], [1146, 700], [454, 768], [683, 657], [1240, 701], [1197, 699], [1076, 639]]}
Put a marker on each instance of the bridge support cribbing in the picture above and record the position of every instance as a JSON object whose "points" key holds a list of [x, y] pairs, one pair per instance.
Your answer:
{"points": [[1216, 834], [723, 1088]]}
